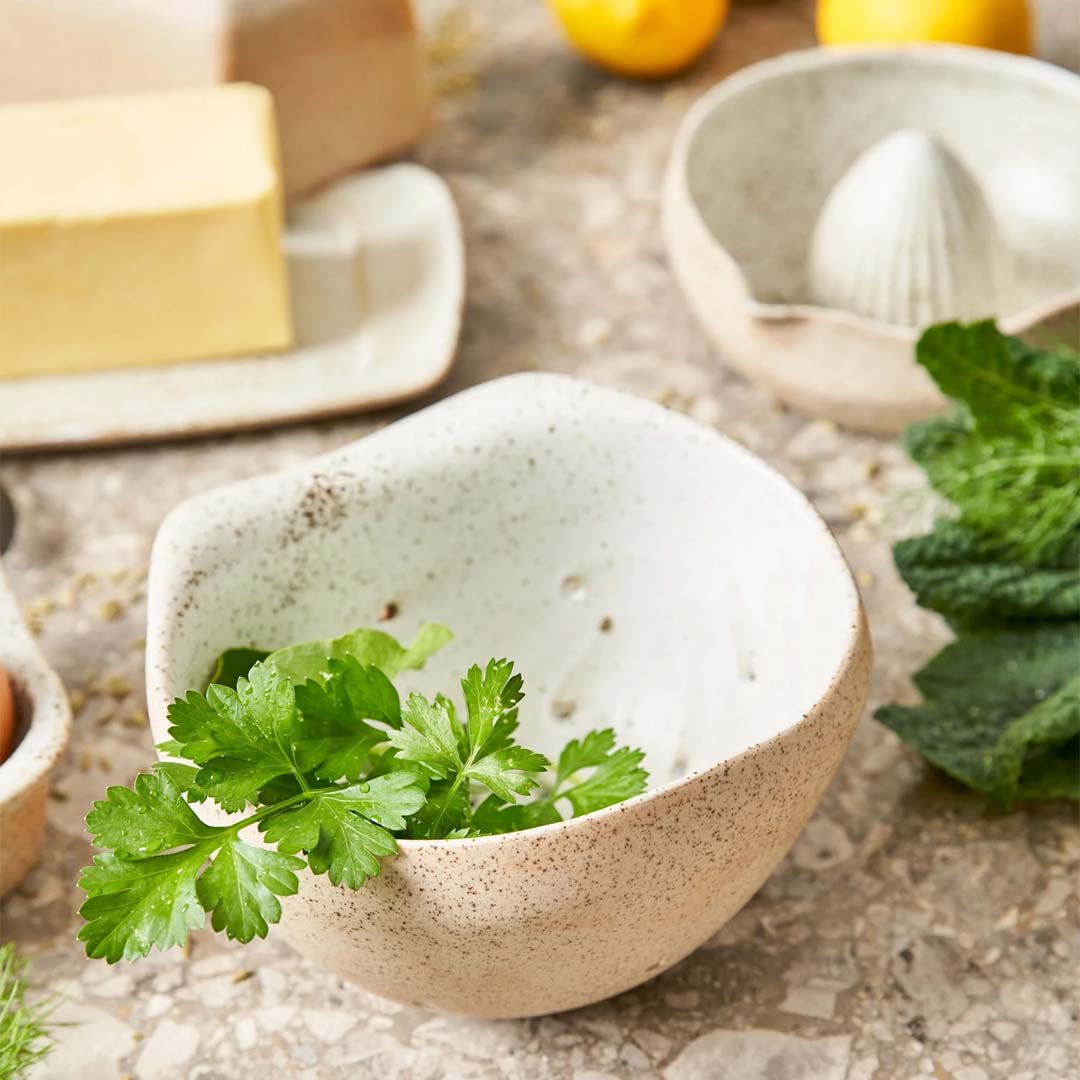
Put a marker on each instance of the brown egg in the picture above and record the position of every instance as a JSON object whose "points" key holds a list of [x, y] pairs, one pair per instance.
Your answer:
{"points": [[7, 716]]}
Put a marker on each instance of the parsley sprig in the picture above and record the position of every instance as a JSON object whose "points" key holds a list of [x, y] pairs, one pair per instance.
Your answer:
{"points": [[312, 747]]}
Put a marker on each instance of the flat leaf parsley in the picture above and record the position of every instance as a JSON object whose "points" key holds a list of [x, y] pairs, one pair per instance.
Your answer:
{"points": [[313, 749]]}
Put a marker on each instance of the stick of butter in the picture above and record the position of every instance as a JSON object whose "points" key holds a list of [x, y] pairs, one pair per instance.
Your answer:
{"points": [[140, 230], [349, 77]]}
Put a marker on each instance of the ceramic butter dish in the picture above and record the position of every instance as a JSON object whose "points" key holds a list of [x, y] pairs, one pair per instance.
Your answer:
{"points": [[376, 268], [348, 77]]}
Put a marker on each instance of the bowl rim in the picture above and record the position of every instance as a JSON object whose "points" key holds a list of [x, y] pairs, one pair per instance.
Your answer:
{"points": [[856, 645], [50, 722], [993, 61]]}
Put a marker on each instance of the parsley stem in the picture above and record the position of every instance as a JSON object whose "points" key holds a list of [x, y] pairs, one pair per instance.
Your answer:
{"points": [[234, 830], [449, 798]]}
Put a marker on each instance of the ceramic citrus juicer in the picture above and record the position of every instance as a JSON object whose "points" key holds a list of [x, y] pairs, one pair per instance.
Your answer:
{"points": [[822, 207]]}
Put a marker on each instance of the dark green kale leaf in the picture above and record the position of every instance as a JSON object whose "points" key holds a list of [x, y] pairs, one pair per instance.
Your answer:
{"points": [[1001, 705], [1001, 712], [1009, 458], [970, 577]]}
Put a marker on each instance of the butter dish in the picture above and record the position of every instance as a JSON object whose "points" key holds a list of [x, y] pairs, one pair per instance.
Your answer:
{"points": [[377, 278]]}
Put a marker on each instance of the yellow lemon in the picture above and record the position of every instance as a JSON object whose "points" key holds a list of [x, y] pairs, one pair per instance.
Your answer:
{"points": [[991, 24], [642, 38]]}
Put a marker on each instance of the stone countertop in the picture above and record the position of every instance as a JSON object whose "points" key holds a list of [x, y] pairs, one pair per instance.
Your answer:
{"points": [[912, 931]]}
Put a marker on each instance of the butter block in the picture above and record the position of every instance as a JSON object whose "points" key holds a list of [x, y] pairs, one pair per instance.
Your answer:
{"points": [[349, 77], [140, 230]]}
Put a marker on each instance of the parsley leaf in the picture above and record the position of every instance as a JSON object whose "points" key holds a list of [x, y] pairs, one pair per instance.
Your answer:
{"points": [[617, 774], [243, 738], [371, 648], [332, 740], [151, 817], [241, 887], [427, 737], [345, 831], [507, 772], [183, 776], [141, 895], [1000, 712], [494, 816], [491, 699], [332, 770], [478, 751], [446, 811], [135, 904]]}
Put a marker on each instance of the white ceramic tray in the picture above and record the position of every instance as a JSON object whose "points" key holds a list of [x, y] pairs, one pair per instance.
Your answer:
{"points": [[377, 270]]}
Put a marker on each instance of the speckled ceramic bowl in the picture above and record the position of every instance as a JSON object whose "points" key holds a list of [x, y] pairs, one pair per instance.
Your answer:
{"points": [[756, 157], [43, 723], [644, 572]]}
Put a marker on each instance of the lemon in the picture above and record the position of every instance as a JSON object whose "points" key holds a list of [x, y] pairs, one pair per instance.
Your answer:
{"points": [[641, 38], [991, 24]]}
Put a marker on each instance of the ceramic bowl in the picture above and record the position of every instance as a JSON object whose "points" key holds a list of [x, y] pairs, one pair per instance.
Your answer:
{"points": [[43, 724], [757, 156], [645, 573]]}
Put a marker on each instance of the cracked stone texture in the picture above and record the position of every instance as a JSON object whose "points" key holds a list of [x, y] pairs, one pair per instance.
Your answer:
{"points": [[912, 932]]}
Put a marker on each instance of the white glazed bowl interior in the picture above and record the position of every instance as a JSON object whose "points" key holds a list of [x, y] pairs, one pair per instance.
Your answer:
{"points": [[771, 147], [524, 513]]}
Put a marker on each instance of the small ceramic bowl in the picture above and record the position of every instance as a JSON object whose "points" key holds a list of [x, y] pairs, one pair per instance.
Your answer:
{"points": [[757, 156], [43, 724], [645, 573]]}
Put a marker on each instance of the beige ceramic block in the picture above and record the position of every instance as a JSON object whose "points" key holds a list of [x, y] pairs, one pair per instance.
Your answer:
{"points": [[348, 77]]}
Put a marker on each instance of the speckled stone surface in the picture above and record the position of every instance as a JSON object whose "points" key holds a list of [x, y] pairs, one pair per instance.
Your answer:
{"points": [[911, 933]]}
